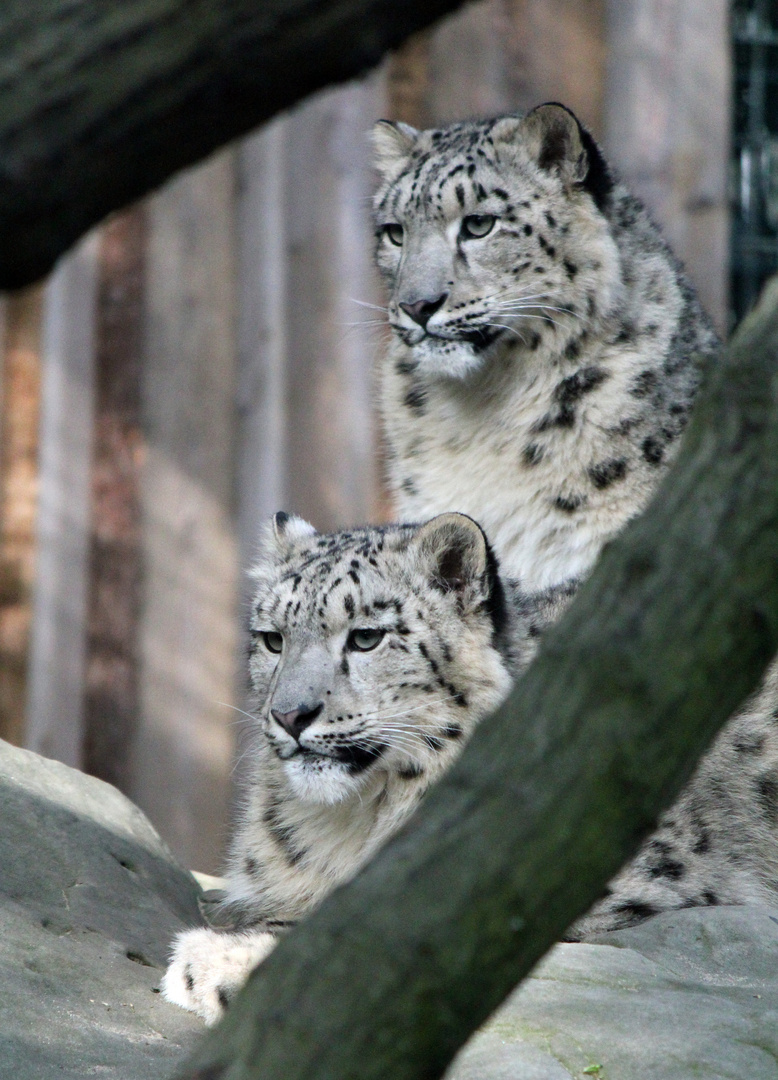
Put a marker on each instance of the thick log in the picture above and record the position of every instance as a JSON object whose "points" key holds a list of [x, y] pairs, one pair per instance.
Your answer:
{"points": [[672, 631], [101, 102]]}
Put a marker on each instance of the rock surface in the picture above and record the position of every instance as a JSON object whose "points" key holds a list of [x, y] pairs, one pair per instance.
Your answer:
{"points": [[90, 898], [687, 994]]}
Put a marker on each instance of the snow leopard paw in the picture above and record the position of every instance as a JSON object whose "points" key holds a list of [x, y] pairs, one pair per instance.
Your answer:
{"points": [[207, 968]]}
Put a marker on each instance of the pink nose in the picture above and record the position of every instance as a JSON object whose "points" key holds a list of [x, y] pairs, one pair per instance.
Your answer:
{"points": [[421, 311], [297, 720]]}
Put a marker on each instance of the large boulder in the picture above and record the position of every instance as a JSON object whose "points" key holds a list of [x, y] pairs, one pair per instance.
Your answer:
{"points": [[90, 898], [684, 995]]}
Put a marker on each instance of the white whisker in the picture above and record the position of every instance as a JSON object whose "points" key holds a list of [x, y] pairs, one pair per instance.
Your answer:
{"points": [[364, 303], [245, 754], [249, 716], [404, 712]]}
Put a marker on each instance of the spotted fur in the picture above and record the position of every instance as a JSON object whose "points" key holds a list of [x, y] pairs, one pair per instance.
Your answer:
{"points": [[349, 739], [391, 719], [558, 357], [719, 843], [539, 375]]}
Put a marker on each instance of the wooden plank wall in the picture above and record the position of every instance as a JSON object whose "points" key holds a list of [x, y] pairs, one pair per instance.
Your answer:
{"points": [[180, 756], [19, 425], [55, 689], [205, 361], [501, 56], [667, 127]]}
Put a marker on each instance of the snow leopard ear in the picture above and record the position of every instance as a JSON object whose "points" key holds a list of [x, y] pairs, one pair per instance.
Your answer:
{"points": [[557, 142], [553, 136], [454, 552], [392, 143], [277, 539], [289, 528], [457, 558]]}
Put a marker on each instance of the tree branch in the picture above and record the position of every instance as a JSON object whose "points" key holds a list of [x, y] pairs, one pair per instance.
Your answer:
{"points": [[102, 101], [673, 630]]}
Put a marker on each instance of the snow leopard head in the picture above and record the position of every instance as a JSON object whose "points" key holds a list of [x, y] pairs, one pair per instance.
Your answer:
{"points": [[492, 231], [376, 650]]}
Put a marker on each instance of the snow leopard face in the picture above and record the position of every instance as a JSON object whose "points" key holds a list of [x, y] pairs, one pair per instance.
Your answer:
{"points": [[492, 231], [375, 650]]}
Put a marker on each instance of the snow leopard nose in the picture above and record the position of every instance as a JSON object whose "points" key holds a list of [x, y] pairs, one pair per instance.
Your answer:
{"points": [[421, 311], [297, 720]]}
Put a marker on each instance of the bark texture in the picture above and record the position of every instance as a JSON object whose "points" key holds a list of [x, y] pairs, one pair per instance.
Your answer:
{"points": [[100, 102], [672, 631]]}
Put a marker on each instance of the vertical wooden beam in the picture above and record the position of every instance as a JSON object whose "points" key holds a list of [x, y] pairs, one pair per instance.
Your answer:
{"points": [[55, 700], [330, 418], [556, 51], [261, 211], [407, 82], [18, 501], [510, 55], [667, 126], [181, 751], [3, 323], [111, 692], [477, 83]]}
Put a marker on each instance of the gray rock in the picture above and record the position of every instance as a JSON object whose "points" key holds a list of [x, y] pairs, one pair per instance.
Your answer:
{"points": [[685, 995], [90, 898]]}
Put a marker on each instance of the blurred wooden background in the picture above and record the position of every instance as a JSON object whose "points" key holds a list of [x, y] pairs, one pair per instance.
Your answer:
{"points": [[202, 360]]}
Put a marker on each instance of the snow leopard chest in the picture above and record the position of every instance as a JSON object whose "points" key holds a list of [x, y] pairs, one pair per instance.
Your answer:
{"points": [[543, 358], [551, 462]]}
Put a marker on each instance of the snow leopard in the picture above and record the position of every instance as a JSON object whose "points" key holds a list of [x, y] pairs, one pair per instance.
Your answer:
{"points": [[546, 351], [546, 345], [375, 654]]}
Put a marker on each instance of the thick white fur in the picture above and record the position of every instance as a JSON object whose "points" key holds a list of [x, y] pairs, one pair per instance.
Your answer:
{"points": [[579, 285], [306, 827], [308, 819]]}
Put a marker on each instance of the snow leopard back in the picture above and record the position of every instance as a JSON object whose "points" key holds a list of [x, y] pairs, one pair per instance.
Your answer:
{"points": [[546, 344]]}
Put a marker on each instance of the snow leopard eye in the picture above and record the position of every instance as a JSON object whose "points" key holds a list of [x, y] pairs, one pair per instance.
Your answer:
{"points": [[474, 226], [394, 233], [365, 640], [272, 641]]}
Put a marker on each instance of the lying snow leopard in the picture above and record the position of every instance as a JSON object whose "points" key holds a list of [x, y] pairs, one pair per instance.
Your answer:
{"points": [[376, 653], [545, 342]]}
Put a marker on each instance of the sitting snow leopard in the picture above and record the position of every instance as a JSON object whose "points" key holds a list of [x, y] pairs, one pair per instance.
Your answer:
{"points": [[545, 342], [546, 352], [376, 653]]}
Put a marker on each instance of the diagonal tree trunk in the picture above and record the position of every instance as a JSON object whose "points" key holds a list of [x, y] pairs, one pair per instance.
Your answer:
{"points": [[680, 618], [101, 101]]}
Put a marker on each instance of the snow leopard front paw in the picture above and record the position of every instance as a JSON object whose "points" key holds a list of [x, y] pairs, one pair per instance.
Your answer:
{"points": [[207, 968]]}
